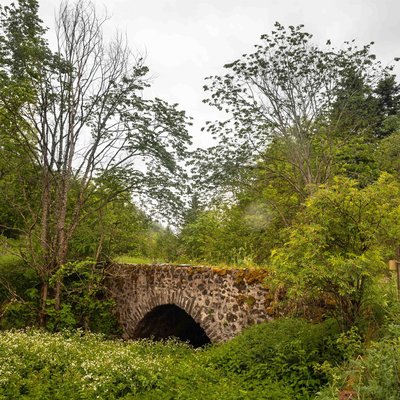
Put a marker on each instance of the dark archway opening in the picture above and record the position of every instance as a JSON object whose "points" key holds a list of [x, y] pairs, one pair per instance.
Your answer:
{"points": [[170, 321]]}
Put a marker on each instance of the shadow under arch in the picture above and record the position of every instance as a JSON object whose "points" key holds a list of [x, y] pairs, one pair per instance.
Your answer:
{"points": [[170, 321]]}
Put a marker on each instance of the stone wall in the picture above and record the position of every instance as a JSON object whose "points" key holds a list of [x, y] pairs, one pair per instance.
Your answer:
{"points": [[221, 301]]}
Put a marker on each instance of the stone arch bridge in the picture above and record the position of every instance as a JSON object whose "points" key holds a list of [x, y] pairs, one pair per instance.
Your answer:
{"points": [[195, 304]]}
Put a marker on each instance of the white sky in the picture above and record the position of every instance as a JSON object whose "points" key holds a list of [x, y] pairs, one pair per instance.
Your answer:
{"points": [[187, 40]]}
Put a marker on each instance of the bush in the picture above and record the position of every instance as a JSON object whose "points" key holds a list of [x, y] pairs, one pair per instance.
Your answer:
{"points": [[18, 296], [285, 352], [84, 299], [374, 376], [15, 276], [379, 372]]}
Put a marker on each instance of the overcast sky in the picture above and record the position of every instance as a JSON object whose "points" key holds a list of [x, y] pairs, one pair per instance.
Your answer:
{"points": [[187, 40]]}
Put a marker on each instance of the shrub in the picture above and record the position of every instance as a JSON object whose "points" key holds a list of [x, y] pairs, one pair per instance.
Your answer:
{"points": [[374, 376], [18, 296], [287, 352], [85, 302], [379, 372]]}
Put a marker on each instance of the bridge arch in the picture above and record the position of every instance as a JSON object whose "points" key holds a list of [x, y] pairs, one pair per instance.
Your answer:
{"points": [[153, 298], [220, 301], [170, 321]]}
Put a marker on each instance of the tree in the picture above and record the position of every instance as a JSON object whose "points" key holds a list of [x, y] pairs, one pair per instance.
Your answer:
{"points": [[86, 117], [337, 248], [285, 92], [200, 237], [388, 92], [21, 46], [293, 116], [118, 228]]}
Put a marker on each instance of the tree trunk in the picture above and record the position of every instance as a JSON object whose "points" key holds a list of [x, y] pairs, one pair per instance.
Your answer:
{"points": [[43, 300], [57, 296]]}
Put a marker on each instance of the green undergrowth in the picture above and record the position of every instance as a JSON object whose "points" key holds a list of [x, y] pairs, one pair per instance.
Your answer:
{"points": [[18, 289], [286, 359], [373, 374], [280, 360], [287, 354], [40, 365]]}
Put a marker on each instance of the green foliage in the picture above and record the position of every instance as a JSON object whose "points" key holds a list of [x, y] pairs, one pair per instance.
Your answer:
{"points": [[18, 293], [85, 303], [293, 116], [374, 376], [280, 360], [354, 109], [356, 159], [200, 238], [388, 91], [160, 244], [285, 352], [308, 99], [378, 373], [240, 234], [388, 153], [371, 369], [301, 120], [113, 228], [86, 159], [337, 248], [350, 343], [39, 365], [276, 361]]}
